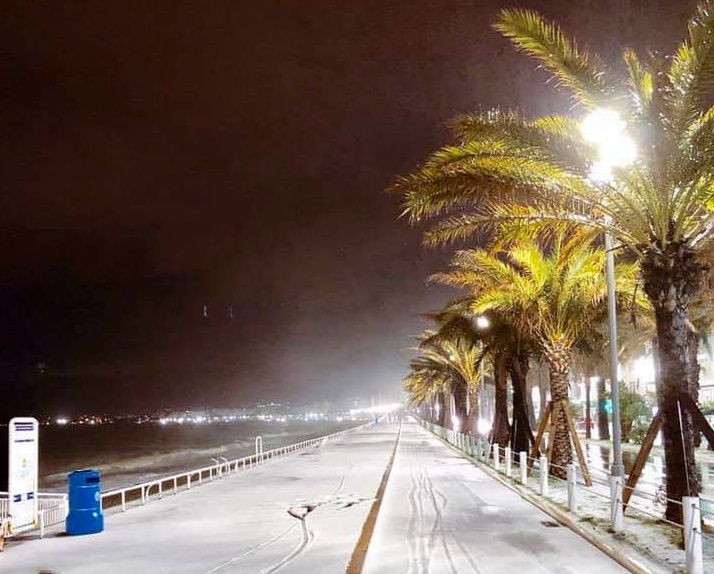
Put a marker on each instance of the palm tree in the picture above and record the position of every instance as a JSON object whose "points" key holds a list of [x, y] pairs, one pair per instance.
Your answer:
{"points": [[535, 173], [508, 352], [554, 295], [427, 384], [448, 362]]}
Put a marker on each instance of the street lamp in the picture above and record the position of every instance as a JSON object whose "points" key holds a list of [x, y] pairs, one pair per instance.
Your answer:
{"points": [[606, 130]]}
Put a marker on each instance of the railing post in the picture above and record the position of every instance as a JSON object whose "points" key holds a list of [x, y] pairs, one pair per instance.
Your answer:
{"points": [[523, 464], [572, 483], [161, 490], [123, 500], [41, 516], [188, 481], [507, 459], [258, 447], [175, 486], [496, 461], [543, 475], [691, 515], [143, 495], [616, 511]]}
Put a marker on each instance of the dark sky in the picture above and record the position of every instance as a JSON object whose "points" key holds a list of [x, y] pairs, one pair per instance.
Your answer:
{"points": [[160, 156]]}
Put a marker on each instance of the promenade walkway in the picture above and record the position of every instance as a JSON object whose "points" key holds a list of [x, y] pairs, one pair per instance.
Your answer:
{"points": [[439, 514]]}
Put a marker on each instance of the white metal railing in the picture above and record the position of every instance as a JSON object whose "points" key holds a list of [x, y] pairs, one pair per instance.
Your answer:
{"points": [[568, 492], [51, 509], [144, 492]]}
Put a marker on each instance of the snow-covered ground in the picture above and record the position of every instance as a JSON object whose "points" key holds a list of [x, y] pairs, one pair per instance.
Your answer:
{"points": [[305, 513], [243, 523], [647, 540], [441, 513]]}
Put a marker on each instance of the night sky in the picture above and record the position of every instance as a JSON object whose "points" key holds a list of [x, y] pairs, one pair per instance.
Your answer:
{"points": [[192, 205]]}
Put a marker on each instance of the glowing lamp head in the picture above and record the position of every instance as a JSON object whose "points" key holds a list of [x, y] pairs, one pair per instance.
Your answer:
{"points": [[606, 130], [482, 322]]}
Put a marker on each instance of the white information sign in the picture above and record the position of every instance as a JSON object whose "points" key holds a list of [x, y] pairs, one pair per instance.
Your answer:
{"points": [[22, 478]]}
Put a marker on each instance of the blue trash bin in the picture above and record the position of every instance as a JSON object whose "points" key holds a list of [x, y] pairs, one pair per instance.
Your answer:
{"points": [[85, 506]]}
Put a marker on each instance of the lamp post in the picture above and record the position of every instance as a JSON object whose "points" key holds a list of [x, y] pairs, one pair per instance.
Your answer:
{"points": [[606, 130]]}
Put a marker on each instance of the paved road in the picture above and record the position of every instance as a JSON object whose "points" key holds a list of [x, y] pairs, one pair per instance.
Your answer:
{"points": [[441, 514], [239, 524]]}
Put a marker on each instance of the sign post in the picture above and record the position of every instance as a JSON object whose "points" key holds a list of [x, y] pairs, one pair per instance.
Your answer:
{"points": [[22, 478]]}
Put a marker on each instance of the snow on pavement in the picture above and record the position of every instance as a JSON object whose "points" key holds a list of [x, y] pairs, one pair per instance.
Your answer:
{"points": [[304, 514], [237, 524], [441, 514]]}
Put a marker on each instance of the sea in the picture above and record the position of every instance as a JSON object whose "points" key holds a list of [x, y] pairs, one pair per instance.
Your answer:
{"points": [[127, 453]]}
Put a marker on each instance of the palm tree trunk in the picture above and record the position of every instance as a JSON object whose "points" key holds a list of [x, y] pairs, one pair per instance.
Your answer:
{"points": [[694, 381], [501, 427], [603, 427], [670, 282], [559, 362], [472, 417], [678, 428], [460, 412], [521, 429]]}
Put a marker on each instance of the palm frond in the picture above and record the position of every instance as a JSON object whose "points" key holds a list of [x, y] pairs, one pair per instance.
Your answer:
{"points": [[639, 82], [584, 75], [691, 73]]}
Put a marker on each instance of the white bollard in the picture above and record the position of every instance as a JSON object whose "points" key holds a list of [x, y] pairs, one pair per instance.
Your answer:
{"points": [[507, 457], [616, 512], [572, 484], [523, 463], [692, 519], [496, 462], [543, 475]]}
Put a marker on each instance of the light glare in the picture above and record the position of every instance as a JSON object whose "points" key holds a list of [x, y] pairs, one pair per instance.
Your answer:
{"points": [[601, 126]]}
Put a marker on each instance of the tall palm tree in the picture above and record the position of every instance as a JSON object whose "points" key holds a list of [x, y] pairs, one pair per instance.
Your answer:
{"points": [[659, 209], [447, 362], [508, 352], [554, 294], [427, 384]]}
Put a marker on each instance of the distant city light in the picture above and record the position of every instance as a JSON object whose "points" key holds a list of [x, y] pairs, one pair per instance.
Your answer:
{"points": [[61, 421]]}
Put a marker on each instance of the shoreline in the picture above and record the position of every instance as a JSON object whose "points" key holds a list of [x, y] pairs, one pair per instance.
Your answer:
{"points": [[121, 465]]}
